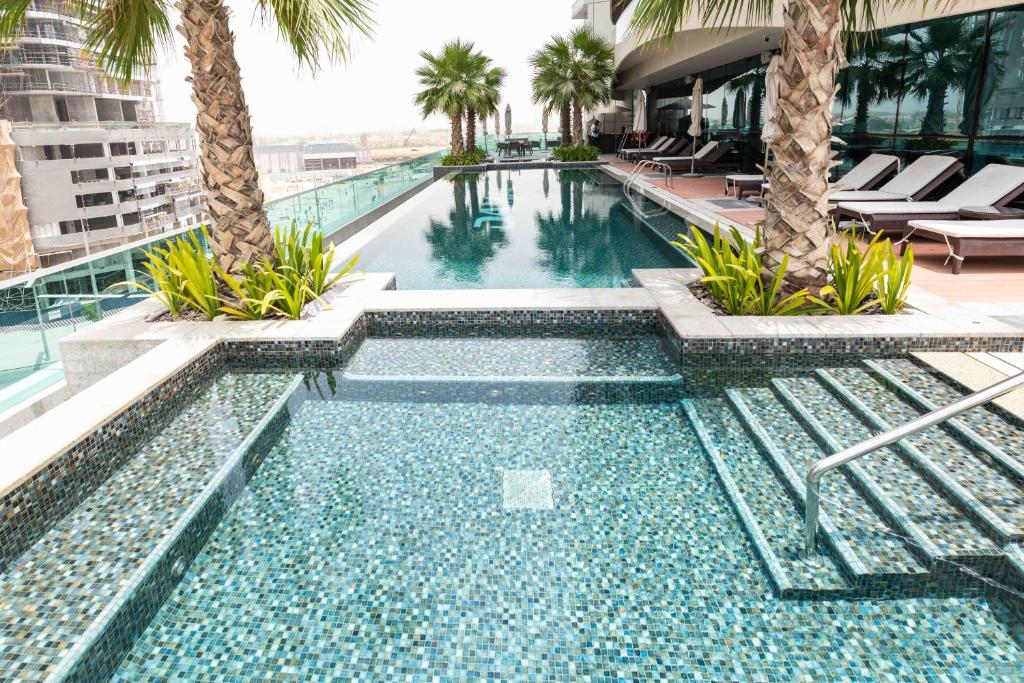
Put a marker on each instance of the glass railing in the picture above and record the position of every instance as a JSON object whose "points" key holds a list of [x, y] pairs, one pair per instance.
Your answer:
{"points": [[40, 308], [331, 206]]}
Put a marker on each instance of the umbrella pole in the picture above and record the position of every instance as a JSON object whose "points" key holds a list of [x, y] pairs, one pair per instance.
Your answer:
{"points": [[693, 162]]}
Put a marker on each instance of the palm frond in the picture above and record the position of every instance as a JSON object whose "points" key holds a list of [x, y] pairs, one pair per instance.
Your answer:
{"points": [[126, 36], [318, 28]]}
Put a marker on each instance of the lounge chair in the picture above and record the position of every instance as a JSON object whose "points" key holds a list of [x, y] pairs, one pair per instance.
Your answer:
{"points": [[706, 156], [870, 171], [912, 183], [658, 144], [971, 238], [994, 185], [738, 183], [680, 147]]}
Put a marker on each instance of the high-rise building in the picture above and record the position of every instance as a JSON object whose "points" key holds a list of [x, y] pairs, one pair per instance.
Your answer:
{"points": [[98, 168]]}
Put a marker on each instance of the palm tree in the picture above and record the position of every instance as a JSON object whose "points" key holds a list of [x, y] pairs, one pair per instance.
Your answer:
{"points": [[446, 82], [482, 94], [939, 59], [128, 36], [797, 221], [573, 73], [873, 76]]}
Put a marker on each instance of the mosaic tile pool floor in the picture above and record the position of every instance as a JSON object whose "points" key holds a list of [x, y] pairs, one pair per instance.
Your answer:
{"points": [[385, 539]]}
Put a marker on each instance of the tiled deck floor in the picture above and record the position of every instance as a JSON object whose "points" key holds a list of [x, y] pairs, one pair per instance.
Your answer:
{"points": [[994, 285]]}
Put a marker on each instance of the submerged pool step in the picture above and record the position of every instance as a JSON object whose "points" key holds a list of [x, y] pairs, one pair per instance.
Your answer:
{"points": [[870, 553], [771, 518], [916, 509], [992, 496], [93, 572]]}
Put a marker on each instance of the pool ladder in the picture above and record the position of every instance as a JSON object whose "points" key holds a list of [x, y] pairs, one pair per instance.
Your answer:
{"points": [[634, 175], [935, 417], [630, 184]]}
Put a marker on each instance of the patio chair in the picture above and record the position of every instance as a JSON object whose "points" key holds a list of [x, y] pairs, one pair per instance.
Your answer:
{"points": [[708, 155], [994, 185], [678, 148], [868, 173], [971, 238], [912, 183], [659, 144]]}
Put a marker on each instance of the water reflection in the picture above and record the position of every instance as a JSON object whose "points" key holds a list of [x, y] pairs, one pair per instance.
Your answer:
{"points": [[464, 244]]}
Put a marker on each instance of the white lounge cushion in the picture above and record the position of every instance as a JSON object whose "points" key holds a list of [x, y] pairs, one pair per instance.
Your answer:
{"points": [[981, 229], [916, 176], [744, 178], [653, 147], [987, 186], [885, 208], [701, 153], [867, 196], [866, 171]]}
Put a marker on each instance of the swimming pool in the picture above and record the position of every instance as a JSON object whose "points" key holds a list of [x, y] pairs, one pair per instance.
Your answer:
{"points": [[524, 228], [517, 508]]}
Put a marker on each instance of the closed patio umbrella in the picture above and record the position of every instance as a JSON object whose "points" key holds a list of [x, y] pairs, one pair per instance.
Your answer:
{"points": [[640, 112], [497, 124], [771, 104], [696, 113], [544, 127], [508, 120]]}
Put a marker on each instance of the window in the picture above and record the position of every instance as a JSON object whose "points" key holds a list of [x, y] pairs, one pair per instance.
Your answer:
{"points": [[102, 222], [1001, 113], [90, 150], [153, 147], [120, 149], [942, 75], [94, 199], [93, 175], [870, 87], [70, 227], [122, 172], [130, 218], [126, 195]]}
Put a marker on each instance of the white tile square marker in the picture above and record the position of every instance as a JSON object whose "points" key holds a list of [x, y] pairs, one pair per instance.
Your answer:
{"points": [[526, 490]]}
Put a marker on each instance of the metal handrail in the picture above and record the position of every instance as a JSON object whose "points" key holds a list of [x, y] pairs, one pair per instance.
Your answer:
{"points": [[937, 416]]}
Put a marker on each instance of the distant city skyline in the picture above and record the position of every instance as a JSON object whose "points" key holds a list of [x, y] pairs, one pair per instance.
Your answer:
{"points": [[374, 90]]}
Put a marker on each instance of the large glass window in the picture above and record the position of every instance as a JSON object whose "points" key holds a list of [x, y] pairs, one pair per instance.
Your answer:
{"points": [[942, 76], [870, 88], [1002, 107]]}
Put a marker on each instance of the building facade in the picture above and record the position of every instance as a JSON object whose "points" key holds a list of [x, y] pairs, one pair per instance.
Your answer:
{"points": [[930, 84], [98, 168]]}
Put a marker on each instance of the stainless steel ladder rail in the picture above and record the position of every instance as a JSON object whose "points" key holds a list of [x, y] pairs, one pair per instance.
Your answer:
{"points": [[935, 417], [634, 175]]}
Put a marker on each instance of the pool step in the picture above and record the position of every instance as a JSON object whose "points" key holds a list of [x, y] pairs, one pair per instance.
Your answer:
{"points": [[768, 514], [920, 511], [96, 570], [855, 525], [990, 492]]}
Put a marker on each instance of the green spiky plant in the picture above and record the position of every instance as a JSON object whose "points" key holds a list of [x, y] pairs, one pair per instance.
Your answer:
{"points": [[128, 36]]}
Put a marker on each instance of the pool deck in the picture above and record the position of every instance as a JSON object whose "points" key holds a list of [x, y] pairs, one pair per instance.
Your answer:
{"points": [[987, 285]]}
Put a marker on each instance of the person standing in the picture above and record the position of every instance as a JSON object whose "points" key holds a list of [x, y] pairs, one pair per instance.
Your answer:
{"points": [[595, 133]]}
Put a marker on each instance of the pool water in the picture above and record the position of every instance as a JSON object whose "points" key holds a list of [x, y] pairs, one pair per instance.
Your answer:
{"points": [[513, 228], [432, 512]]}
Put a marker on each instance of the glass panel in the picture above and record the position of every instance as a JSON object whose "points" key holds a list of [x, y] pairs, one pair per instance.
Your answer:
{"points": [[941, 77], [870, 88], [1002, 108], [995, 152]]}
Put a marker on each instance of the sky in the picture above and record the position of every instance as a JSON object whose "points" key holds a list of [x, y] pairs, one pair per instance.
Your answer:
{"points": [[374, 91]]}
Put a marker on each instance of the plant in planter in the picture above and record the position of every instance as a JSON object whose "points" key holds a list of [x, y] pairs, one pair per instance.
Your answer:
{"points": [[470, 158], [576, 153], [860, 280], [186, 279]]}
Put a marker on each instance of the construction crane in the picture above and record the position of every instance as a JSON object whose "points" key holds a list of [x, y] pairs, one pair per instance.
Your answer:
{"points": [[409, 137]]}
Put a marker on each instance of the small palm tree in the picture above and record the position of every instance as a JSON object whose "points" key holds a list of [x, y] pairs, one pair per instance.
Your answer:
{"points": [[128, 35], [572, 73], [939, 59], [452, 85], [797, 221]]}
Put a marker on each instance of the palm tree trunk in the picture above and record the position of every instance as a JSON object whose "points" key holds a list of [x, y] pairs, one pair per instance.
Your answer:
{"points": [[797, 222], [456, 141], [566, 125], [577, 123], [470, 130], [934, 122], [240, 232], [860, 115]]}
